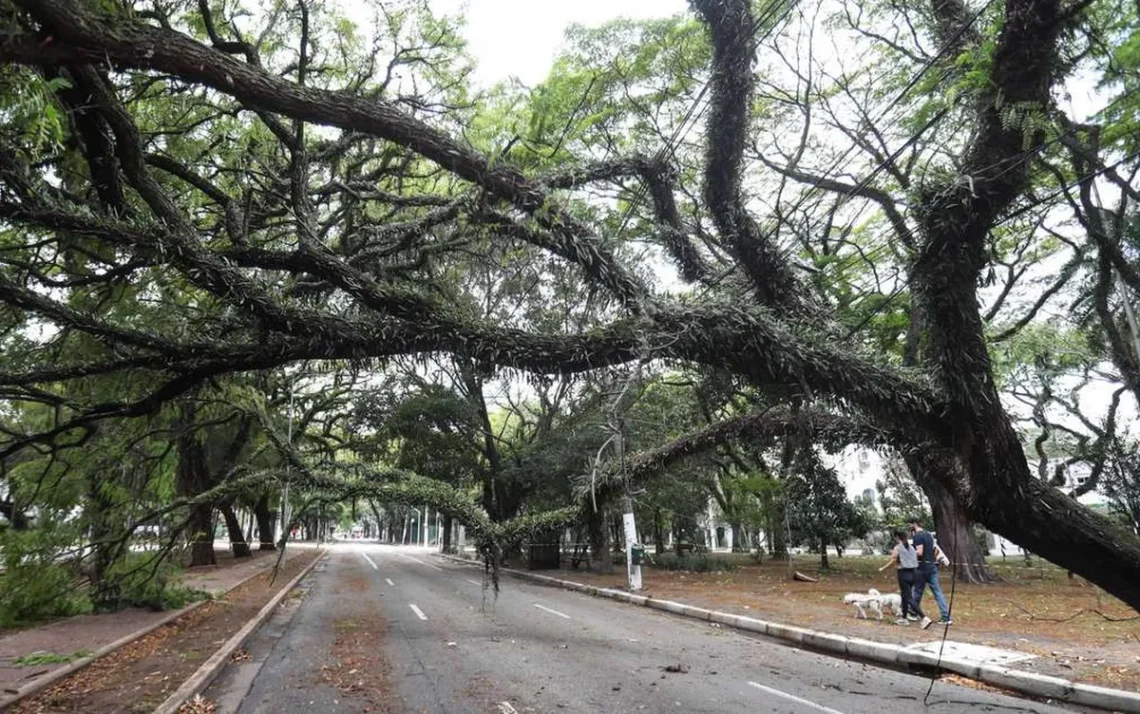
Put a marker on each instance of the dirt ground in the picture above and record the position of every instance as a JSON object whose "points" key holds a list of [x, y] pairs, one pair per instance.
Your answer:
{"points": [[1075, 629], [139, 676]]}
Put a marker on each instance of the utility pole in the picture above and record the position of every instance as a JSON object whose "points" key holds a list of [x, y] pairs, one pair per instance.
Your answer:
{"points": [[633, 549]]}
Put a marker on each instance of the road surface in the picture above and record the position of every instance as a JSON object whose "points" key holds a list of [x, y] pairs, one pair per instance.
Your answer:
{"points": [[425, 633]]}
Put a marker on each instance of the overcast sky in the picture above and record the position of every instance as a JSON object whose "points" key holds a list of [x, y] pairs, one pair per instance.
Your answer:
{"points": [[521, 37]]}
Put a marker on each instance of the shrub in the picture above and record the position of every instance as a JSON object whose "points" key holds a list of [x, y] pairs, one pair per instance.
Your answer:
{"points": [[699, 563], [37, 586], [144, 580]]}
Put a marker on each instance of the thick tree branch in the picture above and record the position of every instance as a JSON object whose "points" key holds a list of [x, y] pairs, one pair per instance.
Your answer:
{"points": [[733, 31]]}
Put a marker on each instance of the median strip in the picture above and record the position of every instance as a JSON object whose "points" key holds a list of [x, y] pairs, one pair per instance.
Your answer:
{"points": [[147, 670]]}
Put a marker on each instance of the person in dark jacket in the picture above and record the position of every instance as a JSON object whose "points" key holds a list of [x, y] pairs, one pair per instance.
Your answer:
{"points": [[927, 573]]}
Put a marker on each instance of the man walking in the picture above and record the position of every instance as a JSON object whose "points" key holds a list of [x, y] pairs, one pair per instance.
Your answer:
{"points": [[927, 573]]}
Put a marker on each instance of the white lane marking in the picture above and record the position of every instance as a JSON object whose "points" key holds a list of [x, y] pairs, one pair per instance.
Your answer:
{"points": [[553, 612], [474, 582], [419, 613], [417, 560], [797, 700], [370, 561], [389, 581], [506, 708]]}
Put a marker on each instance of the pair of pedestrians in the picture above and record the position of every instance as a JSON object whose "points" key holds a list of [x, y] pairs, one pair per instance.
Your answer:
{"points": [[916, 562]]}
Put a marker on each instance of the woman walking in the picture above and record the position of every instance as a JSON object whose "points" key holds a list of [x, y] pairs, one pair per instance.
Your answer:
{"points": [[905, 559]]}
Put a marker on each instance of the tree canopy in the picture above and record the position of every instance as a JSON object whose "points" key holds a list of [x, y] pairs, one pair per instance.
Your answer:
{"points": [[203, 198]]}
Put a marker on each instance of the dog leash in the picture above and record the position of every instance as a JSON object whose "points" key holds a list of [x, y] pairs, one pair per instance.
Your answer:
{"points": [[945, 632]]}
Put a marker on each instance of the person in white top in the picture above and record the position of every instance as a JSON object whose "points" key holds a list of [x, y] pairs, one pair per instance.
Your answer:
{"points": [[905, 559]]}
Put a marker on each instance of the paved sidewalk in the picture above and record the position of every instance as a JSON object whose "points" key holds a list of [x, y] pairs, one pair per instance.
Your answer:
{"points": [[88, 633]]}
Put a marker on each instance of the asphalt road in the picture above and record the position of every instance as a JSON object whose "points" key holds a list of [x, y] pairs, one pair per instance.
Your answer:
{"points": [[447, 645]]}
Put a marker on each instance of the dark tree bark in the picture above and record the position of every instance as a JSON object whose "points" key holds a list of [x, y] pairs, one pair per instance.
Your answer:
{"points": [[658, 532], [777, 533], [446, 539], [14, 515], [266, 523], [600, 542], [952, 524], [192, 479], [200, 531], [738, 537], [98, 512], [238, 544]]}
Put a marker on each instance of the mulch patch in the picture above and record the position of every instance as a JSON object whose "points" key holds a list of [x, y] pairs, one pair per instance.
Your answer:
{"points": [[138, 677]]}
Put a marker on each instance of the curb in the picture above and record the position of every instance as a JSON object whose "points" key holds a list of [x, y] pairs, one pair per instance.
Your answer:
{"points": [[217, 661], [70, 668], [1031, 683]]}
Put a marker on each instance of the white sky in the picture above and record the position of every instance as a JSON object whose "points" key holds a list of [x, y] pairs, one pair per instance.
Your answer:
{"points": [[520, 38]]}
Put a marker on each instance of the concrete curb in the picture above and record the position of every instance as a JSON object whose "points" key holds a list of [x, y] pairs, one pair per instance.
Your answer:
{"points": [[76, 665], [1031, 683], [217, 661]]}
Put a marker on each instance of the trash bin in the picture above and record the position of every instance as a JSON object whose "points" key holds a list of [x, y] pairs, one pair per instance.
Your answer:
{"points": [[637, 554]]}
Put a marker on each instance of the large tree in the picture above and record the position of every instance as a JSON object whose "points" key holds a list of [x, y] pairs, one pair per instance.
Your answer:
{"points": [[186, 157]]}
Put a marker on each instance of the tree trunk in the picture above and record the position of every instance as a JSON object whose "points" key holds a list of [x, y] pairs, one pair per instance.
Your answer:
{"points": [[200, 531], [778, 535], [737, 537], [823, 564], [265, 523], [953, 528], [191, 479], [98, 510], [238, 544], [599, 533], [658, 534], [446, 539]]}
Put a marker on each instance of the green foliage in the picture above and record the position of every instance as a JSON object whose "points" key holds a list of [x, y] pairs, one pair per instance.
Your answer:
{"points": [[900, 497], [698, 563], [35, 659], [38, 584], [819, 513], [144, 580]]}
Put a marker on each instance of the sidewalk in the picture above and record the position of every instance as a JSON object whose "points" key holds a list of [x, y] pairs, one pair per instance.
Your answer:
{"points": [[85, 634]]}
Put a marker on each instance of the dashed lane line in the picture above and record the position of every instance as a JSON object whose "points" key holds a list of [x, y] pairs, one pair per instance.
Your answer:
{"points": [[374, 566], [553, 612], [389, 581], [419, 613], [417, 560], [793, 698]]}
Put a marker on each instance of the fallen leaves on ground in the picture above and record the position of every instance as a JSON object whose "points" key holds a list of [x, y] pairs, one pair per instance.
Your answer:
{"points": [[198, 705]]}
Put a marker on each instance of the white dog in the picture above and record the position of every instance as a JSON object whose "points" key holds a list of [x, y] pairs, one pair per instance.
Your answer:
{"points": [[874, 601]]}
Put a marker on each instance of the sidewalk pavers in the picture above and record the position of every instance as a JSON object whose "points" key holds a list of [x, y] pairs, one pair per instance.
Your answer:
{"points": [[80, 636]]}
